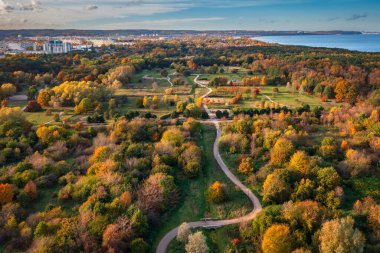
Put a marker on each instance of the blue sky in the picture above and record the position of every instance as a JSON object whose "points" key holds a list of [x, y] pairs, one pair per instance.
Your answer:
{"points": [[359, 15]]}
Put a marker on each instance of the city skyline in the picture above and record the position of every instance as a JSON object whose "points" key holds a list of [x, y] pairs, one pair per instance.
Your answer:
{"points": [[310, 15]]}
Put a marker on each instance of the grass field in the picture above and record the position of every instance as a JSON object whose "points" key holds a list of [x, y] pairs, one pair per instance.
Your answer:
{"points": [[193, 204], [228, 74], [284, 97]]}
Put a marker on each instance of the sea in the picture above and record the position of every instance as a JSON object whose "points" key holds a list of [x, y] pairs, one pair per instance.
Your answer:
{"points": [[357, 42]]}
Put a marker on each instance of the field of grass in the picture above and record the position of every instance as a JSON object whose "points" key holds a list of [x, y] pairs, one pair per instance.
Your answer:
{"points": [[193, 204], [228, 74], [146, 72], [284, 97]]}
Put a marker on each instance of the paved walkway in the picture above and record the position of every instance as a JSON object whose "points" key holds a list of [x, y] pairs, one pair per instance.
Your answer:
{"points": [[164, 243]]}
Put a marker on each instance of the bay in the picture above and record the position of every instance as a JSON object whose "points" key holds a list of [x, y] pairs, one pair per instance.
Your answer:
{"points": [[358, 42]]}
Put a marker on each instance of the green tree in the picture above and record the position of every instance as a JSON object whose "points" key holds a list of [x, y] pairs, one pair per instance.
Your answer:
{"points": [[139, 246]]}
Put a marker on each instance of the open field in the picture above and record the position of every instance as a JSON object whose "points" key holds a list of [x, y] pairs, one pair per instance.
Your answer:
{"points": [[284, 97], [228, 74]]}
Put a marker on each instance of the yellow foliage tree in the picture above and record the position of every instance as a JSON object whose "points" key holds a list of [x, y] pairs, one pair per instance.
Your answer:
{"points": [[277, 239], [216, 193], [300, 162], [281, 151]]}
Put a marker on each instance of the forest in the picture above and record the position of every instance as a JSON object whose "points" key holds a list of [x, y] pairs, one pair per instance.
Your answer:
{"points": [[108, 150]]}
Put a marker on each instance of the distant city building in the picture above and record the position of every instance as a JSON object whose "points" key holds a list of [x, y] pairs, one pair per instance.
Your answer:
{"points": [[101, 42], [57, 47]]}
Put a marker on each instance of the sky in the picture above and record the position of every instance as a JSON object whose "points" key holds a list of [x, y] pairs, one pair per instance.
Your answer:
{"points": [[306, 15]]}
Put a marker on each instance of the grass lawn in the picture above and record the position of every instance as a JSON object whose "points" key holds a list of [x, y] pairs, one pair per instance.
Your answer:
{"points": [[147, 72], [284, 97], [193, 204], [228, 74]]}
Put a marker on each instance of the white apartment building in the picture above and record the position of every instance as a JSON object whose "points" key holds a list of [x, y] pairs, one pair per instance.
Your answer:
{"points": [[57, 47]]}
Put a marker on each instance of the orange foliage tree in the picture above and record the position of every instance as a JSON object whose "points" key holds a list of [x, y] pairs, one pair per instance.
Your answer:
{"points": [[6, 193]]}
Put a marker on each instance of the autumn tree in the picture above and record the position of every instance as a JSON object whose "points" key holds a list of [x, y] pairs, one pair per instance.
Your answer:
{"points": [[246, 166], [156, 193], [146, 102], [281, 151], [356, 163], [328, 148], [276, 188], [263, 80], [197, 243], [183, 232], [217, 192], [7, 90], [339, 235], [84, 106], [300, 162], [6, 193], [31, 189], [277, 239]]}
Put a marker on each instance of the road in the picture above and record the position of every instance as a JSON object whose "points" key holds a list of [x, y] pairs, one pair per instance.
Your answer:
{"points": [[164, 243]]}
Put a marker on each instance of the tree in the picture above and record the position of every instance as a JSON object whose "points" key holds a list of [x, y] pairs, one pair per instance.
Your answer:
{"points": [[328, 92], [217, 192], [281, 151], [44, 97], [84, 106], [197, 243], [7, 90], [277, 239], [263, 80], [300, 162], [328, 148], [32, 92], [31, 189], [339, 235], [328, 178], [246, 166], [276, 188], [156, 193], [42, 229], [139, 246], [357, 162], [6, 193], [155, 101], [183, 232], [307, 215], [199, 102]]}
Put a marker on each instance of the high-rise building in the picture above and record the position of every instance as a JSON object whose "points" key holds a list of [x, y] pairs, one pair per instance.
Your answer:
{"points": [[57, 47]]}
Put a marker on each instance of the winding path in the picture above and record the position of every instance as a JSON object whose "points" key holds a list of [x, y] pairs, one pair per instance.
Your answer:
{"points": [[164, 243]]}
